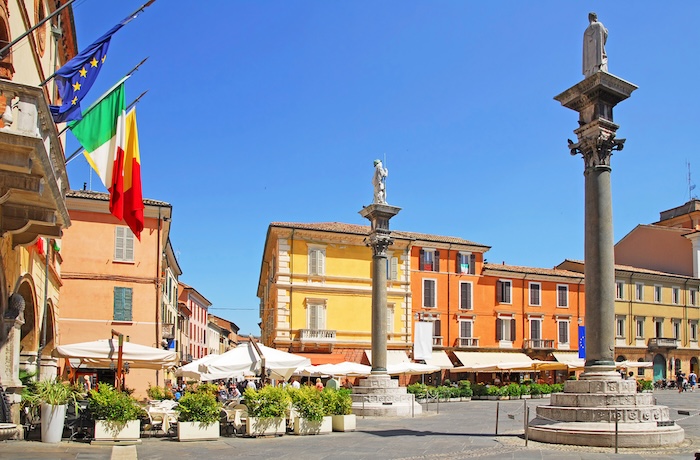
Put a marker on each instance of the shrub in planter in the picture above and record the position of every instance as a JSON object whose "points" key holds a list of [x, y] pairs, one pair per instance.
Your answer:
{"points": [[54, 396], [116, 413], [479, 390], [155, 393], [418, 389], [512, 390], [465, 389], [198, 417], [545, 388], [493, 390], [645, 385], [535, 389], [267, 408], [524, 390], [557, 387], [308, 403]]}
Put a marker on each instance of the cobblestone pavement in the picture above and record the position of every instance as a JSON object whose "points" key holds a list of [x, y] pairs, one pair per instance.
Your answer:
{"points": [[459, 431]]}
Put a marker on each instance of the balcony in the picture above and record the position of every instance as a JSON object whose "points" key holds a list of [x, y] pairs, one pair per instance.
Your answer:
{"points": [[663, 342], [316, 338], [168, 331], [468, 342], [538, 344], [33, 179], [437, 341]]}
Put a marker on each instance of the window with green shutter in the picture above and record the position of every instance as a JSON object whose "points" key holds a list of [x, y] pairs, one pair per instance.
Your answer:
{"points": [[122, 304]]}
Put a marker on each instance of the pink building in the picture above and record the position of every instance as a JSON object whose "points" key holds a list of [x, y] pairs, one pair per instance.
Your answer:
{"points": [[198, 306]]}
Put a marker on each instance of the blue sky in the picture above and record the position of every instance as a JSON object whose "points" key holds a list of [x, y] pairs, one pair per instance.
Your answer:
{"points": [[262, 111]]}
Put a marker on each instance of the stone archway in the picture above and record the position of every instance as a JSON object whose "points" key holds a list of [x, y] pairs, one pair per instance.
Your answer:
{"points": [[49, 364], [29, 338], [694, 364], [659, 368]]}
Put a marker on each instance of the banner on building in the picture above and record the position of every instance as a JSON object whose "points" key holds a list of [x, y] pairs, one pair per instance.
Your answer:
{"points": [[423, 341]]}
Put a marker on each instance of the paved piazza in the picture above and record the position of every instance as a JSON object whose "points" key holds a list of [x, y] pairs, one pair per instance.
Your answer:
{"points": [[460, 431]]}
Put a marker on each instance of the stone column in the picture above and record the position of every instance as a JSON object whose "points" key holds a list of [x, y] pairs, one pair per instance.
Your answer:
{"points": [[379, 240]]}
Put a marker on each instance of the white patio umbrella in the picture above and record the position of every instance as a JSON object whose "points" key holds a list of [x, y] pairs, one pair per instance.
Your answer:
{"points": [[635, 364], [191, 370], [411, 368], [346, 368], [244, 359], [102, 353]]}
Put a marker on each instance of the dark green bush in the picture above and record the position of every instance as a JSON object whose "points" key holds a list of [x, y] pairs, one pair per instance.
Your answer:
{"points": [[199, 407], [106, 403]]}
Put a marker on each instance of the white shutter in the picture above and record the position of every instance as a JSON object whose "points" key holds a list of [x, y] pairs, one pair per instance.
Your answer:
{"points": [[119, 243], [128, 245], [394, 269], [313, 262], [321, 262], [313, 317], [321, 316]]}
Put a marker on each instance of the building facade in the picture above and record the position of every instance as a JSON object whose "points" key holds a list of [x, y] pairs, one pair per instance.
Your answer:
{"points": [[198, 320], [112, 281]]}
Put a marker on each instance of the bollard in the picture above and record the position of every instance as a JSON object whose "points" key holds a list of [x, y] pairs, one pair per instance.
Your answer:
{"points": [[617, 419], [363, 407], [527, 429], [497, 407], [413, 404], [525, 415]]}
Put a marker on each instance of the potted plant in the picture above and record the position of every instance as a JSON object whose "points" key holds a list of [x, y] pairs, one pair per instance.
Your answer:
{"points": [[116, 414], [198, 418], [479, 391], [54, 397], [267, 408], [338, 405], [465, 390], [525, 392], [492, 392], [535, 391], [513, 390], [312, 416]]}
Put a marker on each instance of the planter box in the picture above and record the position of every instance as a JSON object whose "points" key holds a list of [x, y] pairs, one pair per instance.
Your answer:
{"points": [[116, 431], [492, 398], [535, 396], [52, 420], [256, 426], [466, 398], [525, 396], [502, 398], [198, 431], [305, 426], [343, 422], [455, 399]]}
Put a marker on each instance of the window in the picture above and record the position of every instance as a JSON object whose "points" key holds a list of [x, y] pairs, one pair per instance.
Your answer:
{"points": [[465, 263], [429, 260], [122, 304], [659, 327], [535, 289], [620, 326], [437, 326], [693, 331], [123, 244], [465, 295], [639, 292], [503, 288], [693, 297], [677, 329], [316, 315], [675, 295], [640, 328], [563, 326], [429, 294], [505, 329], [390, 318], [466, 326], [657, 294], [317, 261], [536, 328], [619, 290], [562, 296], [392, 268]]}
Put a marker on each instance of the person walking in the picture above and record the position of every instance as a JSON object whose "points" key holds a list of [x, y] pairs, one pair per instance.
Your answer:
{"points": [[693, 380]]}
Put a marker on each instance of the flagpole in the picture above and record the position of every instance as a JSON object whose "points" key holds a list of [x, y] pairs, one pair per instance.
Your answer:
{"points": [[32, 29], [131, 17], [128, 107], [130, 73]]}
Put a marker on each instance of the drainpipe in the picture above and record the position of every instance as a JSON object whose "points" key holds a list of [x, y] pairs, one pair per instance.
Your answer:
{"points": [[408, 312], [158, 293]]}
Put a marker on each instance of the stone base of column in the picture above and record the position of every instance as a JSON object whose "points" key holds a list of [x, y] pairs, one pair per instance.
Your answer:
{"points": [[585, 413], [380, 395]]}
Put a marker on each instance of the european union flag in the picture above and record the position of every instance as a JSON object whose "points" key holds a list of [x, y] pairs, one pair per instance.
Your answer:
{"points": [[582, 341], [75, 78]]}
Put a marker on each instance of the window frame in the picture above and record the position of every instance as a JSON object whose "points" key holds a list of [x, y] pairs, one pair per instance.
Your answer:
{"points": [[319, 260], [423, 293], [620, 327], [471, 262], [619, 290], [658, 293], [565, 288], [530, 291], [501, 290], [126, 296], [567, 330], [693, 330], [392, 268], [532, 320], [434, 262], [676, 324], [675, 295], [470, 321], [470, 300], [318, 305], [126, 240], [639, 327], [639, 292]]}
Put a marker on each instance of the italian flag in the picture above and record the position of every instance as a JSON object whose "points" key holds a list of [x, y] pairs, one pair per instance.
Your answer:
{"points": [[110, 139]]}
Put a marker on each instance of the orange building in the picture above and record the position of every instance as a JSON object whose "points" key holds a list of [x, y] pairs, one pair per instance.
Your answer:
{"points": [[111, 280]]}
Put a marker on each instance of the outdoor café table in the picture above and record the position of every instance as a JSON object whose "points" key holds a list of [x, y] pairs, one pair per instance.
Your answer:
{"points": [[168, 416]]}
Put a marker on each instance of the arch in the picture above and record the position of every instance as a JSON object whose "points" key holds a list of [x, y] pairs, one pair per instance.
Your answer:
{"points": [[659, 368], [29, 339], [694, 364], [50, 330], [7, 70], [621, 358], [677, 365]]}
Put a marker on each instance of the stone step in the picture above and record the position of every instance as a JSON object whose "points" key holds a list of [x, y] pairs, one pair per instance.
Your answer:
{"points": [[601, 399], [626, 414]]}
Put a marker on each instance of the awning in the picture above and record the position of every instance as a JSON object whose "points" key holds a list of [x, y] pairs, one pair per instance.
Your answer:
{"points": [[103, 353], [392, 357], [323, 358], [634, 364], [439, 359], [485, 361], [570, 358]]}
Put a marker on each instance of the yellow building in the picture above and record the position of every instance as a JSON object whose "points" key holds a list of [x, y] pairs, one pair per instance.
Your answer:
{"points": [[315, 291]]}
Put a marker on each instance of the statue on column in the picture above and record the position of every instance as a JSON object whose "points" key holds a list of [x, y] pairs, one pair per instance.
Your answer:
{"points": [[379, 182], [594, 38]]}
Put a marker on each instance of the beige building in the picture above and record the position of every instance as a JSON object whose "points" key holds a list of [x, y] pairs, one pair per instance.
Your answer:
{"points": [[33, 183]]}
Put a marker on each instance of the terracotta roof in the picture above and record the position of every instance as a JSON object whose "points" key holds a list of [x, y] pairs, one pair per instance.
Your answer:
{"points": [[102, 196], [629, 268], [533, 270], [354, 229]]}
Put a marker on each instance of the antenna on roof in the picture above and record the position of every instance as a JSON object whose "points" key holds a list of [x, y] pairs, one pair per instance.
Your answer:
{"points": [[691, 186]]}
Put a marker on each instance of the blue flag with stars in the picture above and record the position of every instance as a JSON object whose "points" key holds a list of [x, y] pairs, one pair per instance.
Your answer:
{"points": [[582, 341], [76, 77]]}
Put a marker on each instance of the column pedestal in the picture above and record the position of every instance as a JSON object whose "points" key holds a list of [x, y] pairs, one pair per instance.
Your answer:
{"points": [[380, 395]]}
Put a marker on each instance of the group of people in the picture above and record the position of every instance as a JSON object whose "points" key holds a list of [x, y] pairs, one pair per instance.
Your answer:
{"points": [[688, 382]]}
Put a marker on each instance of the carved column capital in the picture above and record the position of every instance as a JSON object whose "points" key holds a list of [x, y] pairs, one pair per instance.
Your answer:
{"points": [[379, 241], [596, 150]]}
